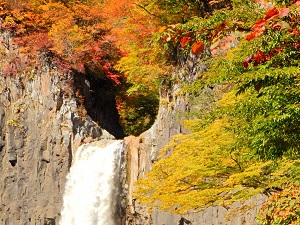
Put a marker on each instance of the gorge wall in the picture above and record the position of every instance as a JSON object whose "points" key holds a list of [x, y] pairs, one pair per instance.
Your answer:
{"points": [[41, 125]]}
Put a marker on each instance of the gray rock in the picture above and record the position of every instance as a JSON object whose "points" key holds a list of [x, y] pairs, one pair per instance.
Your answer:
{"points": [[39, 129]]}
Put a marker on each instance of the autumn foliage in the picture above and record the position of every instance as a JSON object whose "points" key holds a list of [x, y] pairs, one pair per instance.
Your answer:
{"points": [[249, 142], [73, 33], [282, 208], [129, 22]]}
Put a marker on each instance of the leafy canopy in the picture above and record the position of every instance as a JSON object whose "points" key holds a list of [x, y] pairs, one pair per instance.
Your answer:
{"points": [[72, 31], [249, 142]]}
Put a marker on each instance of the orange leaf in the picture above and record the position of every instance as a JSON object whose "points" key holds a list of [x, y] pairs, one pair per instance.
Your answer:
{"points": [[198, 47], [258, 24], [256, 33], [272, 13], [185, 40], [162, 29]]}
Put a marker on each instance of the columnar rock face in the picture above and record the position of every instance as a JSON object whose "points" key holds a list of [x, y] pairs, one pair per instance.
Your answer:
{"points": [[36, 143], [41, 125]]}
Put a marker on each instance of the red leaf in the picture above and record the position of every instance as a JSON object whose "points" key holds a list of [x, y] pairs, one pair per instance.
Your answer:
{"points": [[256, 33], [96, 48], [258, 29], [185, 40], [278, 49], [276, 25], [198, 47], [123, 54], [247, 61], [185, 9], [284, 12], [258, 58], [250, 36], [270, 55], [258, 24], [294, 31], [272, 13]]}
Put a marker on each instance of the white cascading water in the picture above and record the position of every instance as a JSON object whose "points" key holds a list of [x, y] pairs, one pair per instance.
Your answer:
{"points": [[92, 188]]}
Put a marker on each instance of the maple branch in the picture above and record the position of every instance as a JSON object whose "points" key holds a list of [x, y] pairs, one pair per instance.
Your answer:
{"points": [[147, 11], [237, 162]]}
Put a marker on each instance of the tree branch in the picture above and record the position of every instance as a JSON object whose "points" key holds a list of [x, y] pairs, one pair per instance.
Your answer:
{"points": [[147, 11]]}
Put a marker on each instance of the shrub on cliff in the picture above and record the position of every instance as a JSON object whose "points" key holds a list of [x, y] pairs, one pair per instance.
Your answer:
{"points": [[282, 208]]}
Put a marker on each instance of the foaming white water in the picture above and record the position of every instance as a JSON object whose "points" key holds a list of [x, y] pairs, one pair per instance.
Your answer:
{"points": [[92, 187]]}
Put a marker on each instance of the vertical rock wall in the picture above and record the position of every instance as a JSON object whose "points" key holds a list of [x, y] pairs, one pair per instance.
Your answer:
{"points": [[41, 125], [36, 133]]}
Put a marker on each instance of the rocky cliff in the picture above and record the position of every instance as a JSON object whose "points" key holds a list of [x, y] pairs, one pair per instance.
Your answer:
{"points": [[41, 123]]}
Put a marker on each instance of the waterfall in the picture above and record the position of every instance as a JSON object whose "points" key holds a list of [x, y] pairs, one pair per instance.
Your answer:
{"points": [[93, 185]]}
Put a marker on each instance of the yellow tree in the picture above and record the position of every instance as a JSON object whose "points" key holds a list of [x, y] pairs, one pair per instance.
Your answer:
{"points": [[206, 167]]}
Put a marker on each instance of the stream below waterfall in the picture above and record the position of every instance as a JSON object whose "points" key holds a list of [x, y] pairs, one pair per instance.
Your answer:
{"points": [[93, 185]]}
